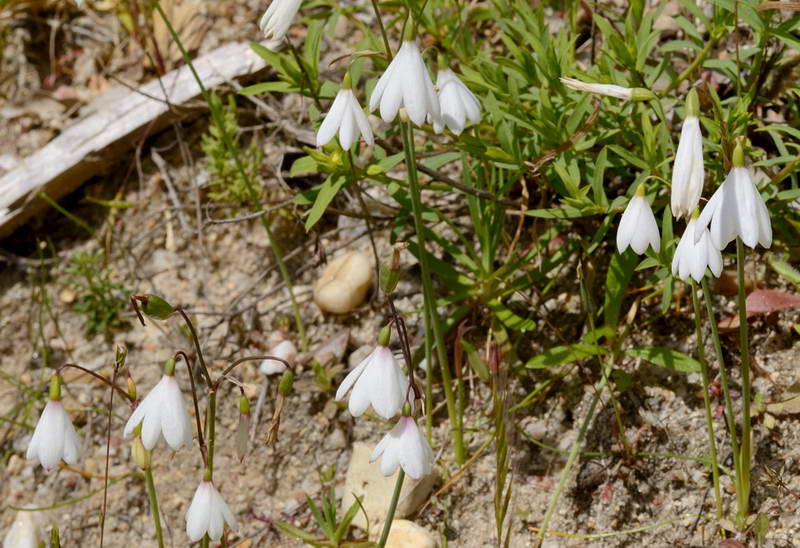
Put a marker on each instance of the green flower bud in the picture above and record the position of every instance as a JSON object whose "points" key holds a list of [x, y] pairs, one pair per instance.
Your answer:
{"points": [[156, 307]]}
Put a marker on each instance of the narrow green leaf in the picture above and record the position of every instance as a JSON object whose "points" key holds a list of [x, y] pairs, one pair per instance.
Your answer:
{"points": [[666, 357], [560, 355]]}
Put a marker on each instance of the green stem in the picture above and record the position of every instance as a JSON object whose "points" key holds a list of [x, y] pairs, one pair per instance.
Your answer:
{"points": [[234, 153], [387, 526], [151, 493], [428, 387], [743, 492], [383, 30], [429, 299], [723, 375], [211, 430], [712, 442], [712, 41]]}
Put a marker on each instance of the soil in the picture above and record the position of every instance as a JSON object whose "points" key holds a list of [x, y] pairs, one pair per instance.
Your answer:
{"points": [[656, 494]]}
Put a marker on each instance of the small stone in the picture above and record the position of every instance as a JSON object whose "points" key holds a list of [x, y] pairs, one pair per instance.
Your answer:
{"points": [[344, 283], [365, 480], [407, 534], [67, 296], [336, 440]]}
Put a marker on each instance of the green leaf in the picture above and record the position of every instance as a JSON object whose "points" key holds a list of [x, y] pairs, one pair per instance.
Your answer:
{"points": [[305, 165], [510, 319], [617, 279], [327, 191], [666, 357], [268, 87], [560, 355]]}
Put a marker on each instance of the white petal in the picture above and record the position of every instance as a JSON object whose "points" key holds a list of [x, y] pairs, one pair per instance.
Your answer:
{"points": [[387, 384], [175, 423], [352, 377], [383, 83], [348, 131], [151, 424], [363, 123], [746, 206], [333, 119], [197, 517], [216, 524], [413, 456], [627, 225], [415, 93]]}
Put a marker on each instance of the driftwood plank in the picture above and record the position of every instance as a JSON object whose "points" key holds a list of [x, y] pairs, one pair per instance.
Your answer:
{"points": [[92, 143]]}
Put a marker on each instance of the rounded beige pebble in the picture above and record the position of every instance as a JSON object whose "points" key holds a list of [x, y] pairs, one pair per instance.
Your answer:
{"points": [[407, 534], [344, 283]]}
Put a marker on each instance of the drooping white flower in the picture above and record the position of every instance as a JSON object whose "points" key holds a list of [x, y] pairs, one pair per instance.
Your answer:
{"points": [[54, 438], [24, 532], [456, 102], [208, 513], [285, 350], [346, 118], [620, 92], [377, 380], [404, 446], [638, 227], [691, 259], [278, 18], [406, 83], [688, 171], [162, 412], [737, 209]]}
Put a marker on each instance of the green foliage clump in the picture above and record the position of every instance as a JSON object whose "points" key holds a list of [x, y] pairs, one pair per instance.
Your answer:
{"points": [[228, 183], [99, 298]]}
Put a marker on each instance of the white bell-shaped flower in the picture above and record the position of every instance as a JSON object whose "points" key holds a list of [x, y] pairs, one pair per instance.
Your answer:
{"points": [[162, 412], [377, 380], [456, 102], [737, 209], [345, 118], [278, 18], [406, 83], [691, 258], [54, 438], [688, 171], [24, 532], [285, 350], [208, 513], [638, 227], [405, 445], [610, 90]]}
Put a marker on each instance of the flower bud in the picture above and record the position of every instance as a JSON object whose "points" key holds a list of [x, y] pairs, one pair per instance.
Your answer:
{"points": [[156, 307], [120, 356], [141, 456], [389, 272], [243, 428], [132, 392]]}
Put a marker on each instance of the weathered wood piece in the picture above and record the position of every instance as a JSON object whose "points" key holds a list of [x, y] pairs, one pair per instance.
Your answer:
{"points": [[118, 122]]}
